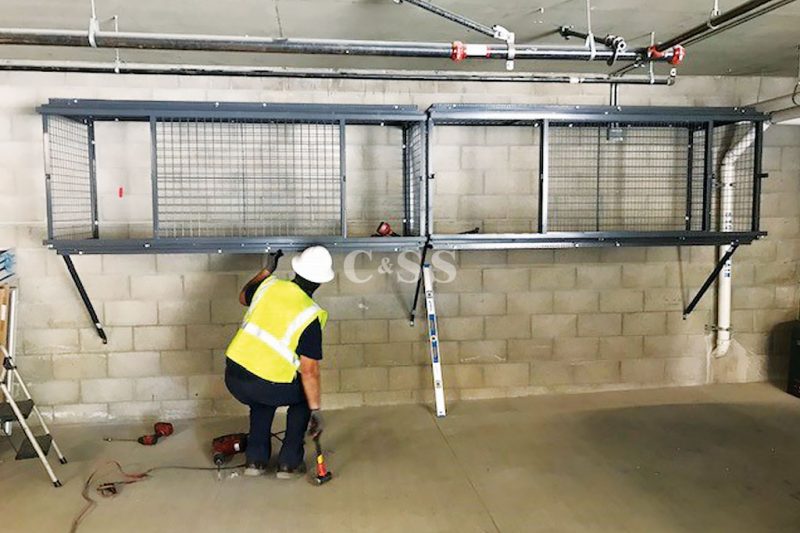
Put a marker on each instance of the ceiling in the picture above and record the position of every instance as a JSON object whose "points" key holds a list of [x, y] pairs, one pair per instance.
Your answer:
{"points": [[764, 46]]}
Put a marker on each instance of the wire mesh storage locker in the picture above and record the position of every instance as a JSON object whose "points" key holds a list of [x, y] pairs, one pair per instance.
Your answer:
{"points": [[612, 176], [231, 177]]}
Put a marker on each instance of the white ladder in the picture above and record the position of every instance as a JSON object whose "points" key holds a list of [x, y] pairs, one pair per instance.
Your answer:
{"points": [[433, 339]]}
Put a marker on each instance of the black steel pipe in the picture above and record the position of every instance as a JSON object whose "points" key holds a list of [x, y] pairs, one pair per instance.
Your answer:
{"points": [[225, 43], [85, 297], [452, 17], [710, 279], [741, 20], [709, 25]]}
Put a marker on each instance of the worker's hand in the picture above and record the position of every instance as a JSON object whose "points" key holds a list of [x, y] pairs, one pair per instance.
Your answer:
{"points": [[272, 261], [315, 424]]}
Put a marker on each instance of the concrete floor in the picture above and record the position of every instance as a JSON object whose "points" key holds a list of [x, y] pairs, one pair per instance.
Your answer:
{"points": [[718, 458]]}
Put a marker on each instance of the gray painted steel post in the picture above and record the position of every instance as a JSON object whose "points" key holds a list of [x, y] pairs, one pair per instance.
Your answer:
{"points": [[544, 174], [48, 168], [758, 175], [343, 178], [708, 176], [93, 179], [154, 173], [689, 178]]}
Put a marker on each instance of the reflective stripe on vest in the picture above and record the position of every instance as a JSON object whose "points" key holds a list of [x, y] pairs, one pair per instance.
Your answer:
{"points": [[279, 346]]}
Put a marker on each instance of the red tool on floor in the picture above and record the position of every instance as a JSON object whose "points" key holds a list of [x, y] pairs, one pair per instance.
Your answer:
{"points": [[323, 474], [227, 446], [162, 429]]}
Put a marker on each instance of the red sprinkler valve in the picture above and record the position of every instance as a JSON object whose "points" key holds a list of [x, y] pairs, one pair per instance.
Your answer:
{"points": [[674, 55], [459, 51]]}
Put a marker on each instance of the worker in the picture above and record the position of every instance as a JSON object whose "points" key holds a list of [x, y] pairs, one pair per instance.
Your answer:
{"points": [[274, 360]]}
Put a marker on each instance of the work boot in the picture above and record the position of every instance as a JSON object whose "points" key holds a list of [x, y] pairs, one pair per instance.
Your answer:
{"points": [[287, 472], [255, 469]]}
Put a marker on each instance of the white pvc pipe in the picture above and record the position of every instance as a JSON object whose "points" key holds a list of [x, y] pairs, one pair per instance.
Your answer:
{"points": [[726, 202]]}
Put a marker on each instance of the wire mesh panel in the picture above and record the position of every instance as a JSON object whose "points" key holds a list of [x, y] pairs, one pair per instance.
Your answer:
{"points": [[733, 174], [224, 178], [618, 177], [69, 178], [414, 154]]}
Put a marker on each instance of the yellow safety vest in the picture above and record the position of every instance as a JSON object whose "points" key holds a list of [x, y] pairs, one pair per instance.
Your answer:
{"points": [[266, 341]]}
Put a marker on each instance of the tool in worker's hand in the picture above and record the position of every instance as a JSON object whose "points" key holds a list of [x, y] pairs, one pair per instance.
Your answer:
{"points": [[384, 230], [227, 446], [161, 429], [323, 474], [272, 261]]}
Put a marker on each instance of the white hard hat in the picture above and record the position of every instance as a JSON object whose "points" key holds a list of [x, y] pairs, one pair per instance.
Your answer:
{"points": [[314, 264]]}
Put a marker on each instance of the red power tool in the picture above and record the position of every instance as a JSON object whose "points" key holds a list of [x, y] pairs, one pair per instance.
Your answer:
{"points": [[227, 446], [162, 429]]}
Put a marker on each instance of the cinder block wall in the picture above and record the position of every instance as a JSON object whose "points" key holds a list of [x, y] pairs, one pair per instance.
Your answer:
{"points": [[512, 322]]}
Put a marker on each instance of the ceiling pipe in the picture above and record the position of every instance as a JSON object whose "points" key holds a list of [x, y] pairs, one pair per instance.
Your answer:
{"points": [[713, 26], [353, 74], [456, 51]]}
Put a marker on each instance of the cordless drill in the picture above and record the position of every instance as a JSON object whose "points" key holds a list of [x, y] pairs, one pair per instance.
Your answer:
{"points": [[227, 446]]}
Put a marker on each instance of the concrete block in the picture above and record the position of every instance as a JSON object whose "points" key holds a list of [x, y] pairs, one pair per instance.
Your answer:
{"points": [[644, 324], [647, 371], [181, 263], [49, 341], [600, 325], [54, 392], [157, 287], [506, 375], [463, 376], [133, 410], [75, 366], [461, 328], [185, 362], [343, 356], [595, 372], [131, 313], [507, 327], [530, 302], [186, 409], [36, 368], [133, 364], [786, 296], [207, 386], [129, 264], [599, 276], [663, 300], [550, 278], [458, 182], [481, 304], [685, 371], [529, 349], [364, 331], [615, 348], [209, 336], [753, 297], [577, 255], [644, 276], [120, 339], [401, 330], [775, 273], [623, 255], [695, 323], [465, 281], [484, 157], [151, 338], [477, 351], [621, 301], [210, 285], [550, 373], [231, 407], [227, 311], [673, 345], [108, 288], [505, 279], [387, 354], [106, 390], [576, 349], [80, 413], [576, 301], [365, 379], [557, 325], [161, 388], [343, 400], [388, 397], [178, 313], [530, 257]]}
